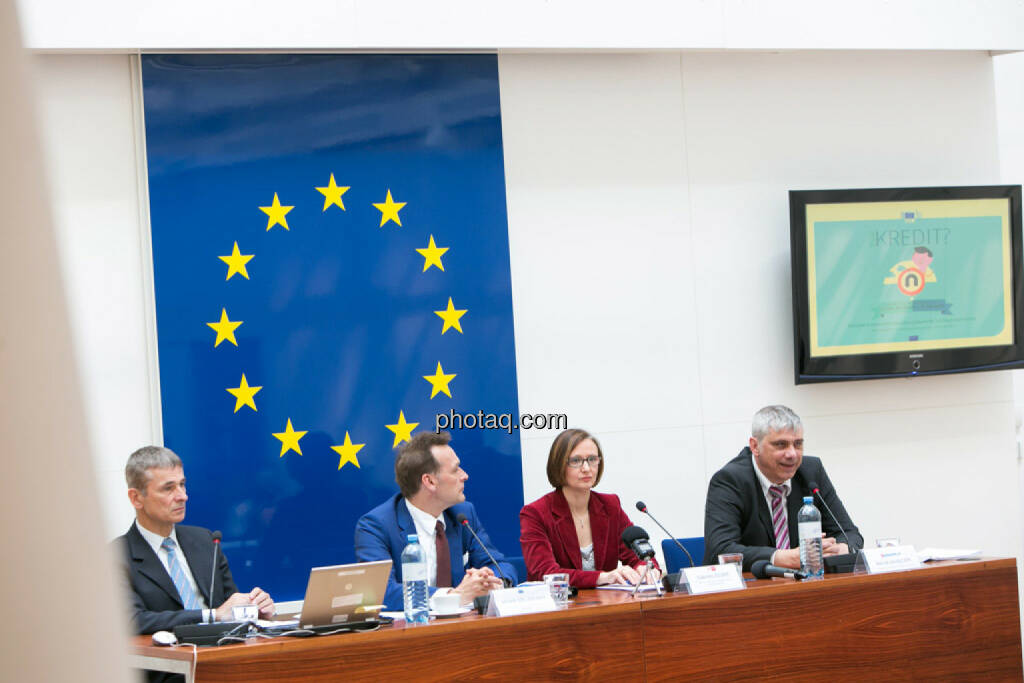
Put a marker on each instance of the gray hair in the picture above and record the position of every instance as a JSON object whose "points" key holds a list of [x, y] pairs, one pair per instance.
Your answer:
{"points": [[136, 472], [774, 419]]}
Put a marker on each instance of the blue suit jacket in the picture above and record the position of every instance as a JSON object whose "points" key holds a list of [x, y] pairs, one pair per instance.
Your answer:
{"points": [[381, 535]]}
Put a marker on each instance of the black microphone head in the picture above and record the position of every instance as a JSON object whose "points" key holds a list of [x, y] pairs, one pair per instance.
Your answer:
{"points": [[640, 506], [760, 569], [813, 486], [637, 540], [634, 533], [216, 536], [461, 519]]}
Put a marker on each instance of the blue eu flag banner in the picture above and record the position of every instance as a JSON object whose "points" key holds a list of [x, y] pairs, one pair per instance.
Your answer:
{"points": [[331, 267]]}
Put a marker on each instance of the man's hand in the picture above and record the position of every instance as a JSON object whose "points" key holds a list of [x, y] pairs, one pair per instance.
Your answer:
{"points": [[477, 582], [790, 559], [236, 600], [260, 598], [830, 547], [257, 596]]}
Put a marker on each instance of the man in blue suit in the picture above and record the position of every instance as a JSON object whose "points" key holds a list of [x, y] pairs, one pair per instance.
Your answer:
{"points": [[431, 498]]}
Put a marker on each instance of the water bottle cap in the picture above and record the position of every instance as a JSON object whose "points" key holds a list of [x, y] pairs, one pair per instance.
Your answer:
{"points": [[412, 538], [808, 500]]}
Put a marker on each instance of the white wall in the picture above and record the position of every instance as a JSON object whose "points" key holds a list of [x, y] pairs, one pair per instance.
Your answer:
{"points": [[650, 269], [390, 25], [649, 232], [92, 150], [1009, 80]]}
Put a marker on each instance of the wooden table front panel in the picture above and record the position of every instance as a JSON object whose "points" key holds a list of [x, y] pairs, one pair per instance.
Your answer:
{"points": [[600, 643], [956, 622]]}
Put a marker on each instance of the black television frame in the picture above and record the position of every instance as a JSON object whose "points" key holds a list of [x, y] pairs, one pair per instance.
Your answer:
{"points": [[808, 369]]}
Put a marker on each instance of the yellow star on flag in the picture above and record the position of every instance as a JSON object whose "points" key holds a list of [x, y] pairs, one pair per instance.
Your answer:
{"points": [[276, 214], [243, 394], [402, 430], [451, 317], [332, 194], [236, 262], [439, 382], [347, 451], [432, 255], [289, 439], [389, 209], [225, 328]]}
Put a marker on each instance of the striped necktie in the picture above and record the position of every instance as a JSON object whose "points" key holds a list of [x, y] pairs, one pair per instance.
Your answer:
{"points": [[188, 594], [778, 494]]}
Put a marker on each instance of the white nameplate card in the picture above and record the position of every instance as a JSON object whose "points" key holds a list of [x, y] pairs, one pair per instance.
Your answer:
{"points": [[509, 602], [713, 578], [245, 613], [891, 559]]}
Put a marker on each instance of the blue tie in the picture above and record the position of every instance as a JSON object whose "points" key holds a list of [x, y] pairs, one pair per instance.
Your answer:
{"points": [[185, 590]]}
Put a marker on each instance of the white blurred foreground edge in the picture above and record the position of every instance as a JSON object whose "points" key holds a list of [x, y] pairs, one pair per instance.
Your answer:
{"points": [[65, 619]]}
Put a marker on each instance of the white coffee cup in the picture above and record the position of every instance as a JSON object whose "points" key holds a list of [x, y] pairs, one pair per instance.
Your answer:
{"points": [[447, 603]]}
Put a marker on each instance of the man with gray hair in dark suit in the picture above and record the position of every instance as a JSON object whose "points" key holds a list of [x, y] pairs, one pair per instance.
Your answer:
{"points": [[169, 566], [753, 500]]}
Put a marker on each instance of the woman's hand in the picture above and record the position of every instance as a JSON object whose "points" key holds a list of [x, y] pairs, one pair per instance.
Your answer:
{"points": [[624, 575]]}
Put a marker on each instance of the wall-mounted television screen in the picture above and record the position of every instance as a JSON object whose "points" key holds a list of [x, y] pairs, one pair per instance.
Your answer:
{"points": [[906, 281]]}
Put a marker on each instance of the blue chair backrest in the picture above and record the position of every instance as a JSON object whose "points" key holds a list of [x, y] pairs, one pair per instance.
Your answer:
{"points": [[674, 557], [520, 565]]}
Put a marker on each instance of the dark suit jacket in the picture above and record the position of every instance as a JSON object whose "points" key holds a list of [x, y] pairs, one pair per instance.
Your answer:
{"points": [[381, 535], [156, 605], [550, 545], [737, 519]]}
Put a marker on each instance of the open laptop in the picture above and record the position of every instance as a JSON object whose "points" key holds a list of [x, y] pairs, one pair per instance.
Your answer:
{"points": [[344, 594]]}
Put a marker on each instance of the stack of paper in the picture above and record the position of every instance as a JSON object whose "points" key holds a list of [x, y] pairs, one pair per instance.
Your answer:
{"points": [[626, 587], [929, 554]]}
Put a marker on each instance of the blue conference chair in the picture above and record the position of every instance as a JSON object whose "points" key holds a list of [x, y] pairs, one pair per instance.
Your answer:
{"points": [[674, 557], [520, 566]]}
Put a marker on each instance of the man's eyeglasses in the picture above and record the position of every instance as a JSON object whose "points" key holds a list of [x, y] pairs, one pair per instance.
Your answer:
{"points": [[576, 461]]}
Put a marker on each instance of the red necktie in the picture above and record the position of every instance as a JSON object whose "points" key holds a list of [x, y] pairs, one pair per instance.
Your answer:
{"points": [[444, 560]]}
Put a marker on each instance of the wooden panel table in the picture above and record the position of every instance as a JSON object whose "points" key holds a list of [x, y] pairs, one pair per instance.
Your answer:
{"points": [[958, 621], [599, 640], [954, 621]]}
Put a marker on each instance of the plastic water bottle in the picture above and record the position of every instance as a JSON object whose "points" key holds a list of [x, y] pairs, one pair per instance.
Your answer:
{"points": [[809, 523], [414, 583]]}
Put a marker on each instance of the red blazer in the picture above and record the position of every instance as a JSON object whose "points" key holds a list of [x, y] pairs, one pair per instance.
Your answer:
{"points": [[550, 545]]}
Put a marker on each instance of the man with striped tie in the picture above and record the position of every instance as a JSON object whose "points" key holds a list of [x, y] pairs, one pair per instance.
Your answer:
{"points": [[169, 566], [753, 500]]}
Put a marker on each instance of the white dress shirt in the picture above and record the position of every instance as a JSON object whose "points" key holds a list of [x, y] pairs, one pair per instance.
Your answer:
{"points": [[786, 490], [155, 541], [425, 525]]}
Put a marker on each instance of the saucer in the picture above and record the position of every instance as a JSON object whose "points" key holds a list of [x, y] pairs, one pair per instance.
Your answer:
{"points": [[454, 613]]}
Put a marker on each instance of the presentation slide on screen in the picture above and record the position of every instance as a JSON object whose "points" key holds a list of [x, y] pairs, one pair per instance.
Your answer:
{"points": [[909, 276]]}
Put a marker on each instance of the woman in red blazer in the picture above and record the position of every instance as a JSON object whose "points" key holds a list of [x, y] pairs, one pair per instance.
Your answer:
{"points": [[574, 529]]}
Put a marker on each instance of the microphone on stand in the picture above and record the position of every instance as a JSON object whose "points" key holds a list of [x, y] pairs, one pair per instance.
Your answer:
{"points": [[763, 569], [637, 540], [643, 508], [461, 519], [213, 571], [480, 602], [813, 485]]}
